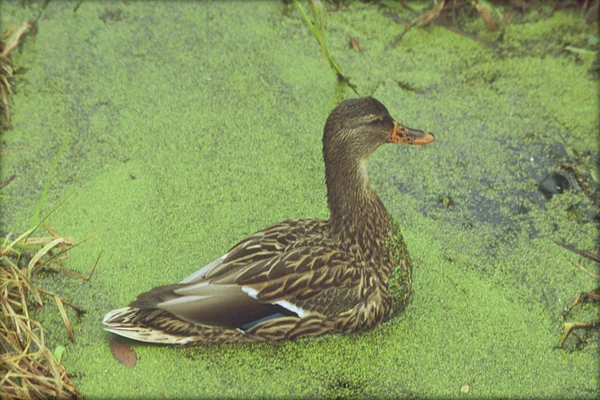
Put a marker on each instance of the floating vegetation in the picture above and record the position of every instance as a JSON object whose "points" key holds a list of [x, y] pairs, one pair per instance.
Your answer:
{"points": [[29, 369]]}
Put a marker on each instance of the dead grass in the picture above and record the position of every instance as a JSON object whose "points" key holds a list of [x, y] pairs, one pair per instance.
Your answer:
{"points": [[28, 367], [496, 14], [569, 327], [13, 38]]}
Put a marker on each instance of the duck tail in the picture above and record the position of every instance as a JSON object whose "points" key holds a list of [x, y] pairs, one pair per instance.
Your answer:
{"points": [[129, 322]]}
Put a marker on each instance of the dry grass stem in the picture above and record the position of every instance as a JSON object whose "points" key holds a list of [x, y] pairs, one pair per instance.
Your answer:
{"points": [[444, 13], [15, 37], [6, 69], [593, 296], [430, 15], [586, 271], [568, 328], [28, 368], [582, 253]]}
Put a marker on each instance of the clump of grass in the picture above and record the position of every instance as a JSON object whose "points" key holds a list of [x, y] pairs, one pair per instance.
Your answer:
{"points": [[490, 15], [28, 367], [9, 41]]}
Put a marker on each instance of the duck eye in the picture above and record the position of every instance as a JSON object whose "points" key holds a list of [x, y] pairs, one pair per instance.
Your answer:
{"points": [[383, 121]]}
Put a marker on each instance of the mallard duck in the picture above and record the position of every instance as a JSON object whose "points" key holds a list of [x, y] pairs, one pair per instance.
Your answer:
{"points": [[300, 277]]}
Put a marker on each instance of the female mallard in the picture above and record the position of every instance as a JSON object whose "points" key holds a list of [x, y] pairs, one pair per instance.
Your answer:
{"points": [[301, 277]]}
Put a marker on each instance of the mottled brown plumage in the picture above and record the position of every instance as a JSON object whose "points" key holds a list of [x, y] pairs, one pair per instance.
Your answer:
{"points": [[300, 277]]}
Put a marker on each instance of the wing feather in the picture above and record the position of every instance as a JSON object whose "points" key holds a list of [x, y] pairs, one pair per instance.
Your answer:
{"points": [[280, 271]]}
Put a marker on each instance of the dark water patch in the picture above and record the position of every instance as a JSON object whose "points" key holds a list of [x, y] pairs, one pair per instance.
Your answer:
{"points": [[553, 184]]}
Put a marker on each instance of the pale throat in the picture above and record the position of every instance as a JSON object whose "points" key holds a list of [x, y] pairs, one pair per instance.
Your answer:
{"points": [[363, 174]]}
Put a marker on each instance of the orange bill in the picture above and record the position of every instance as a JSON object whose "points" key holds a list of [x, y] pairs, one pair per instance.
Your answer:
{"points": [[402, 134]]}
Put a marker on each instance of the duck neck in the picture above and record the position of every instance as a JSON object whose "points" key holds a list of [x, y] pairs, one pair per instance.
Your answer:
{"points": [[357, 214]]}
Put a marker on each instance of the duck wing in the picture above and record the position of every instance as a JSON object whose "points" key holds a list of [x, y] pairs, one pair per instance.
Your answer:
{"points": [[284, 270]]}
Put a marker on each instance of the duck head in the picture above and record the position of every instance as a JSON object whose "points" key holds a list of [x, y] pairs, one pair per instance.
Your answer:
{"points": [[356, 127]]}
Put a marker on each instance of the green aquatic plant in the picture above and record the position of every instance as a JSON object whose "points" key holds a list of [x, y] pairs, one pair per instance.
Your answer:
{"points": [[317, 28]]}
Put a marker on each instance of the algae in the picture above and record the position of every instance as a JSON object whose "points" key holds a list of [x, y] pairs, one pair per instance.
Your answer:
{"points": [[192, 125]]}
